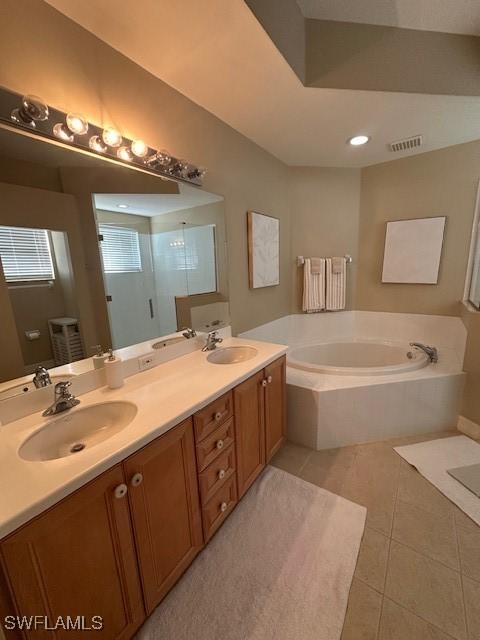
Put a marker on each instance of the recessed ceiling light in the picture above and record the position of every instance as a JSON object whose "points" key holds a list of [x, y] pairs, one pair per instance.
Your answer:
{"points": [[122, 206], [357, 141]]}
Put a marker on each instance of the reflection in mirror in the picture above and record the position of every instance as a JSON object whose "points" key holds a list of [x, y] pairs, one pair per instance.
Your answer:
{"points": [[161, 265], [38, 274]]}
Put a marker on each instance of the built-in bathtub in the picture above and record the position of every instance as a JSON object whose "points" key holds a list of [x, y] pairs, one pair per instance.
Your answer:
{"points": [[357, 358], [353, 377]]}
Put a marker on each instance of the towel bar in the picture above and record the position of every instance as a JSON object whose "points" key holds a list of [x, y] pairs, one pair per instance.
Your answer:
{"points": [[301, 260]]}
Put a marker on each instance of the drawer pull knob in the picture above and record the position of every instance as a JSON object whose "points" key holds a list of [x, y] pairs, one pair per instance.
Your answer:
{"points": [[120, 491], [221, 474], [136, 480], [223, 507], [269, 379], [220, 444], [218, 416], [264, 382]]}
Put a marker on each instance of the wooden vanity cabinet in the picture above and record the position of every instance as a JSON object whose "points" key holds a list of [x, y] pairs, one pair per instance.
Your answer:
{"points": [[260, 421], [115, 547], [275, 407], [249, 409], [78, 559], [164, 502]]}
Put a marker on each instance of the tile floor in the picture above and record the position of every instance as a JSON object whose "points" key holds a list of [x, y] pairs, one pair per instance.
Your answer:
{"points": [[418, 571]]}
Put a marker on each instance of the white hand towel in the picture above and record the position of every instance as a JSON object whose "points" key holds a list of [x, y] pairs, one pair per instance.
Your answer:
{"points": [[336, 283], [314, 286]]}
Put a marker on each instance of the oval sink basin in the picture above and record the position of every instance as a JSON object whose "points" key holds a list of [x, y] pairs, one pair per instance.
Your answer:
{"points": [[231, 355], [71, 433]]}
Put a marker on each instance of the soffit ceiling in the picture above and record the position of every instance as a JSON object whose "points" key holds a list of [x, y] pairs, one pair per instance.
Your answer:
{"points": [[218, 55], [447, 16]]}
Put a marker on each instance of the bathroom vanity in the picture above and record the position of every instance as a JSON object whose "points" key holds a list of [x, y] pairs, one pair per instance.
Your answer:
{"points": [[115, 546]]}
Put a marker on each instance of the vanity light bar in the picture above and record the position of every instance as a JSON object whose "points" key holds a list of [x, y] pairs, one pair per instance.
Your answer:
{"points": [[31, 113]]}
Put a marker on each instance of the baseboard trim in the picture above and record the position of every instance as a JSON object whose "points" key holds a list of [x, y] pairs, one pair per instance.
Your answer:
{"points": [[468, 427]]}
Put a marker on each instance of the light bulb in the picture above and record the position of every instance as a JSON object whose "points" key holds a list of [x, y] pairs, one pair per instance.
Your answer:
{"points": [[33, 108], [139, 148], [357, 141], [77, 124], [124, 153], [196, 172], [60, 130], [112, 137], [164, 158], [97, 144]]}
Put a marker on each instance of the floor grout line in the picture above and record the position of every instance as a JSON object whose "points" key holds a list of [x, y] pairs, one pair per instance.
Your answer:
{"points": [[397, 476], [388, 553], [413, 613], [461, 578]]}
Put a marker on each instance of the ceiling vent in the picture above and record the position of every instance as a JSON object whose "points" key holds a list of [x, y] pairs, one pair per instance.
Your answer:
{"points": [[407, 144]]}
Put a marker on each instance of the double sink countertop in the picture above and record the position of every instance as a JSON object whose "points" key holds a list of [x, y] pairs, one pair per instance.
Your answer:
{"points": [[164, 395]]}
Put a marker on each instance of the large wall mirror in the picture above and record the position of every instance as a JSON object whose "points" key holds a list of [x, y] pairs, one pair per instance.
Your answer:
{"points": [[97, 254]]}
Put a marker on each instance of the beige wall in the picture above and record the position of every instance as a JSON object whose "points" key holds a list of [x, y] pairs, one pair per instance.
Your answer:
{"points": [[441, 182], [325, 208], [438, 183], [71, 69], [369, 57]]}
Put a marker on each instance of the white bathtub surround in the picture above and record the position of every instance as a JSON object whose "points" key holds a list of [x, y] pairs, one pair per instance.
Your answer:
{"points": [[336, 281], [313, 285], [468, 427], [433, 458], [283, 561], [357, 358], [327, 410]]}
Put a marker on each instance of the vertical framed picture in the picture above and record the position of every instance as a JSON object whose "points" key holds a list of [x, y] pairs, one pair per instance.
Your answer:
{"points": [[413, 249], [263, 250]]}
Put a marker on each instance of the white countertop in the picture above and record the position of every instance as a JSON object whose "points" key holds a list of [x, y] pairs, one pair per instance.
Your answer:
{"points": [[164, 395]]}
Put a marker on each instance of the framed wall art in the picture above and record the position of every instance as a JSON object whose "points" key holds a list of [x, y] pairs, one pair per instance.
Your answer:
{"points": [[413, 249], [263, 250]]}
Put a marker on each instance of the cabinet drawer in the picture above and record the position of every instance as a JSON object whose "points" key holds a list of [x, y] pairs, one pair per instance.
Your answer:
{"points": [[215, 444], [208, 419], [217, 474], [219, 507]]}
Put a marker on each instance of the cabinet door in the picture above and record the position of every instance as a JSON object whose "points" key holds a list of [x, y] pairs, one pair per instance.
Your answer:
{"points": [[275, 407], [248, 401], [165, 509], [78, 559]]}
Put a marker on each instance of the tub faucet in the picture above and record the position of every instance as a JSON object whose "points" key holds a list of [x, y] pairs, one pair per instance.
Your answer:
{"points": [[431, 352], [212, 341], [63, 399], [41, 377]]}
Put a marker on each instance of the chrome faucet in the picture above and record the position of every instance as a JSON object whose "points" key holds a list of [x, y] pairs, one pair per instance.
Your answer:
{"points": [[41, 377], [212, 341], [63, 399], [431, 352], [188, 333]]}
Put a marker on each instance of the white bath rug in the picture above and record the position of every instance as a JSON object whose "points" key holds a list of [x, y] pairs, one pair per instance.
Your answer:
{"points": [[432, 459], [280, 568]]}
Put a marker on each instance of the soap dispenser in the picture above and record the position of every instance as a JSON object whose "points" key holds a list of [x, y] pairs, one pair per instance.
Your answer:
{"points": [[113, 370], [99, 357]]}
